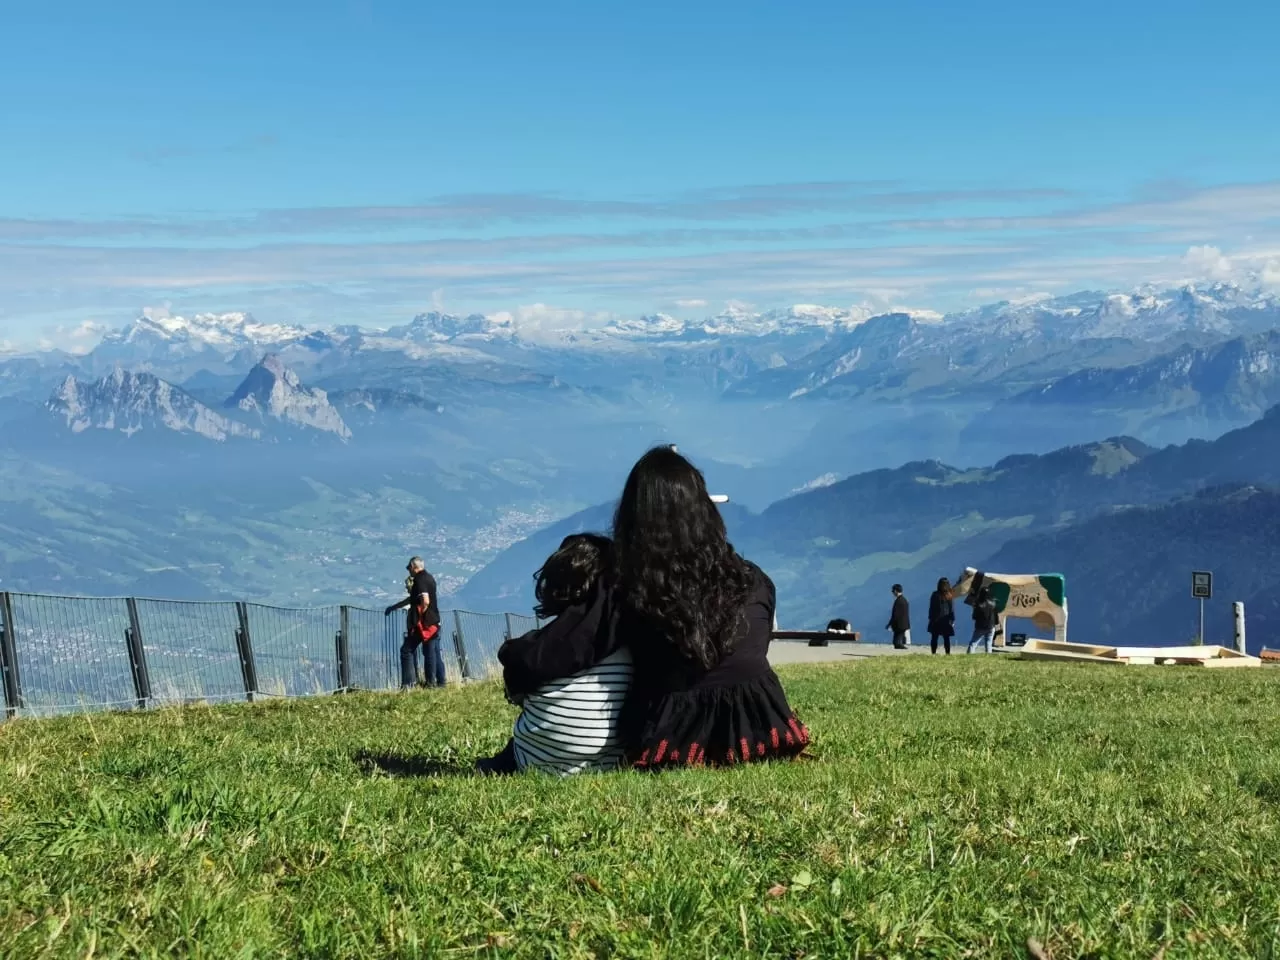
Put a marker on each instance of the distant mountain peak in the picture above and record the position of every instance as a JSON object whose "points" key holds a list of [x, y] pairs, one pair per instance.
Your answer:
{"points": [[131, 402], [218, 330], [273, 390], [435, 325]]}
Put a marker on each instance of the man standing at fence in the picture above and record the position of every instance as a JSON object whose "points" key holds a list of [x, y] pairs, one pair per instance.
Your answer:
{"points": [[422, 628]]}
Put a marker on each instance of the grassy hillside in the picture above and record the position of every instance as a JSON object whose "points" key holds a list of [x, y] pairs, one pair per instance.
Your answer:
{"points": [[954, 808]]}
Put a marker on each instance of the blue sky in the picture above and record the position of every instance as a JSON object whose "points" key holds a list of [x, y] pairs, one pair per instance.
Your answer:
{"points": [[363, 160]]}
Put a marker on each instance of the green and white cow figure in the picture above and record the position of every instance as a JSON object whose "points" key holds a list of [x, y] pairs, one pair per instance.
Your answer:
{"points": [[1039, 597]]}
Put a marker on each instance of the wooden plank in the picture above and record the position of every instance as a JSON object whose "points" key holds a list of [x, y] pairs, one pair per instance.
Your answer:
{"points": [[1061, 646], [1203, 656], [1067, 657], [1229, 662], [1207, 652]]}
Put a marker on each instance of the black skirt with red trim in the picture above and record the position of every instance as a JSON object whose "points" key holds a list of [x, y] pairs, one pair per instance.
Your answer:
{"points": [[721, 725]]}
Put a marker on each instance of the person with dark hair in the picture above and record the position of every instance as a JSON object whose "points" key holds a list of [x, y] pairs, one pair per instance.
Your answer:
{"points": [[422, 627], [697, 618], [569, 677], [900, 619], [942, 616], [984, 620]]}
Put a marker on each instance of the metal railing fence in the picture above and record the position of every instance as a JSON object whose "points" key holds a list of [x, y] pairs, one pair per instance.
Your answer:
{"points": [[67, 654]]}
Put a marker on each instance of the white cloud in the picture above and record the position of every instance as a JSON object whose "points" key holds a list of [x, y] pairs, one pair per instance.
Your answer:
{"points": [[1269, 275], [540, 321], [817, 483], [1208, 263], [87, 330], [693, 304]]}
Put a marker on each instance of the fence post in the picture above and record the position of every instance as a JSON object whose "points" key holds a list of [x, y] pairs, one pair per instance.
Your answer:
{"points": [[342, 645], [510, 632], [244, 646], [1237, 609], [459, 646], [137, 655], [9, 659]]}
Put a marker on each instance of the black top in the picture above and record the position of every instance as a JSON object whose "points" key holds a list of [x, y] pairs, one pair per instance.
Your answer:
{"points": [[942, 613], [579, 638], [984, 616], [661, 668], [422, 584], [900, 619]]}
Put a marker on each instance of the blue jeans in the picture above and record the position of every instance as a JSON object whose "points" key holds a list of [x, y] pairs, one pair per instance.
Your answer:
{"points": [[432, 662], [983, 637]]}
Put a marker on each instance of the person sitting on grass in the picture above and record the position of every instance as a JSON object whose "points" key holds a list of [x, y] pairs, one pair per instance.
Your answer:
{"points": [[569, 677], [697, 618]]}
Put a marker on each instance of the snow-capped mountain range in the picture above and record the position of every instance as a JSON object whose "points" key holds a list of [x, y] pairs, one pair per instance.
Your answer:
{"points": [[223, 331], [1145, 315], [1245, 368], [238, 374]]}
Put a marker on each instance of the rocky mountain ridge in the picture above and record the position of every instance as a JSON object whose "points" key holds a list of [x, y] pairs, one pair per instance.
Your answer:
{"points": [[133, 402], [272, 390]]}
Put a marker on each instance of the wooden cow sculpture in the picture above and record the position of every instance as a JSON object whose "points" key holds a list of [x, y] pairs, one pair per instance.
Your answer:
{"points": [[1041, 598]]}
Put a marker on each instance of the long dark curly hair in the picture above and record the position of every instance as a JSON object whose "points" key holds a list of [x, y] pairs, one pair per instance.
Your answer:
{"points": [[568, 574], [675, 569]]}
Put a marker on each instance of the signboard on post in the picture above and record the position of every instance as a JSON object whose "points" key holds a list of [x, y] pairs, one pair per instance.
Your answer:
{"points": [[1202, 585]]}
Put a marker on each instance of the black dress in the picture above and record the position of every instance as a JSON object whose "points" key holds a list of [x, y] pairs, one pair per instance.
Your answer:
{"points": [[681, 714], [942, 615]]}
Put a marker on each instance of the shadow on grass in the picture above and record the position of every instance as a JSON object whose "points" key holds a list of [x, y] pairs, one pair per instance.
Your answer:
{"points": [[396, 765]]}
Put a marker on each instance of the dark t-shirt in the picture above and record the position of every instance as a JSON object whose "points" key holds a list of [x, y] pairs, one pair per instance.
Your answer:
{"points": [[425, 583], [984, 616]]}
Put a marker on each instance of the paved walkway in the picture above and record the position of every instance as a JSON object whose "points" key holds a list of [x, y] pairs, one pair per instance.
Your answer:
{"points": [[798, 651]]}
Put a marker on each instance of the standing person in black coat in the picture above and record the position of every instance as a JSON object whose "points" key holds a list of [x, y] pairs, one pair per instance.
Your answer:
{"points": [[422, 628], [900, 620], [985, 619], [942, 616]]}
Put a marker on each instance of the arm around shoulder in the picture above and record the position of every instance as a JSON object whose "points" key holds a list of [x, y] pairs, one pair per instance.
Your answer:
{"points": [[565, 646]]}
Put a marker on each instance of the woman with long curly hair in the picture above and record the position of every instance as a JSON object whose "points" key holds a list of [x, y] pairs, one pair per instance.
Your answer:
{"points": [[942, 616], [697, 618]]}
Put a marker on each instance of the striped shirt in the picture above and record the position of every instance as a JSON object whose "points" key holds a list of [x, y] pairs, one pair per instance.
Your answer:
{"points": [[571, 725]]}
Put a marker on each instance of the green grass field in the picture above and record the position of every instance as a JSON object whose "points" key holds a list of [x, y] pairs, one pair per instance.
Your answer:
{"points": [[954, 808]]}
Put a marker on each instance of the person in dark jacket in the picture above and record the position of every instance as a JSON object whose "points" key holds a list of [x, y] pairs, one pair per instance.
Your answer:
{"points": [[900, 620], [422, 627], [942, 616], [570, 677], [984, 620], [698, 619]]}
